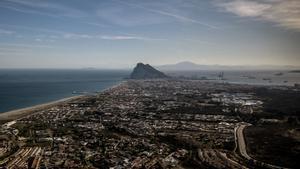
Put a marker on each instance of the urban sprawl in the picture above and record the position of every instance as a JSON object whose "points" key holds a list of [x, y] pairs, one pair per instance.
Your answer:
{"points": [[141, 124]]}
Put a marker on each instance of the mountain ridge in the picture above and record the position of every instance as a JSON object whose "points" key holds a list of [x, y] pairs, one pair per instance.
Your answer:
{"points": [[145, 71], [190, 66]]}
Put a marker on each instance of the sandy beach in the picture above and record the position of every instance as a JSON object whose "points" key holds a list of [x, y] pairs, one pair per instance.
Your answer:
{"points": [[19, 113]]}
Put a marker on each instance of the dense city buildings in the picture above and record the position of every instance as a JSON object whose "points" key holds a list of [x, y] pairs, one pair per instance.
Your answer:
{"points": [[155, 124]]}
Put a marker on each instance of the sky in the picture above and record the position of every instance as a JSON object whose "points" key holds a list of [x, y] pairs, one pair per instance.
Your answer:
{"points": [[120, 33]]}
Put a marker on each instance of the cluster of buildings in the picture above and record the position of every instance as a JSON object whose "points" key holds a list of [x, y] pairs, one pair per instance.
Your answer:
{"points": [[138, 124]]}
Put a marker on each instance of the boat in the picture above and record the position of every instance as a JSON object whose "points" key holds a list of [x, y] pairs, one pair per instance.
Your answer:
{"points": [[249, 77], [278, 74]]}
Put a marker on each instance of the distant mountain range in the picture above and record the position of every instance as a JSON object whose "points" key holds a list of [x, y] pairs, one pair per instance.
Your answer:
{"points": [[145, 71], [190, 66]]}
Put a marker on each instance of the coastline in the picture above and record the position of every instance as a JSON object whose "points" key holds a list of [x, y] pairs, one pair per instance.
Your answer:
{"points": [[19, 113]]}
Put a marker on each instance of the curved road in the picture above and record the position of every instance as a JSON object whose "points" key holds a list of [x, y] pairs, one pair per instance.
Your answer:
{"points": [[240, 141]]}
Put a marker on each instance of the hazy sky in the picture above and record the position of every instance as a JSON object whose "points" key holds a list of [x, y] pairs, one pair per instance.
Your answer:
{"points": [[119, 33]]}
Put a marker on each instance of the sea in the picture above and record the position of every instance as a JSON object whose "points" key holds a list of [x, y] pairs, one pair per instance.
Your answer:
{"points": [[21, 88], [28, 87], [252, 77]]}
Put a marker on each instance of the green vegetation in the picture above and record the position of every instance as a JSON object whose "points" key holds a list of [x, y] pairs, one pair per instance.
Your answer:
{"points": [[273, 144]]}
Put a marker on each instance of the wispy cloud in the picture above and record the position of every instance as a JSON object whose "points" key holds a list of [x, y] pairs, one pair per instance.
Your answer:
{"points": [[44, 35], [24, 45], [97, 24], [77, 36], [33, 29], [284, 13], [6, 32], [22, 10], [106, 37], [44, 39], [109, 37], [49, 9], [49, 35], [182, 18], [42, 8], [176, 16]]}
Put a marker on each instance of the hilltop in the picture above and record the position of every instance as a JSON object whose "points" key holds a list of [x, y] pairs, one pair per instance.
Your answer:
{"points": [[145, 71]]}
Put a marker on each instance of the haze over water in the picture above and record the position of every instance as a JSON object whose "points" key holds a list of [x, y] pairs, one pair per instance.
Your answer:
{"points": [[252, 77], [24, 88]]}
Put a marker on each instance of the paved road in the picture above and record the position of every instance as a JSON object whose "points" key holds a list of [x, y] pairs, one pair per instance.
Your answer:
{"points": [[242, 147], [241, 141]]}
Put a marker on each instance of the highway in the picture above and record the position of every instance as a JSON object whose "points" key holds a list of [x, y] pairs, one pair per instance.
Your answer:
{"points": [[241, 144], [241, 141]]}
